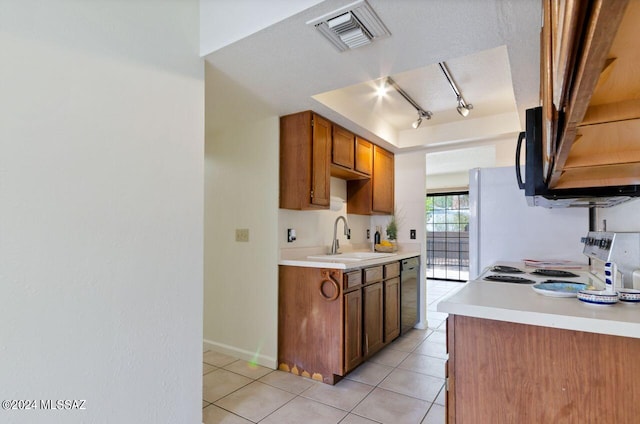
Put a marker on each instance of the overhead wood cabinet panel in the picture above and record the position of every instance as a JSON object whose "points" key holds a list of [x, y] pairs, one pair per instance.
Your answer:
{"points": [[383, 181], [305, 161], [596, 89], [364, 156], [343, 149], [605, 144]]}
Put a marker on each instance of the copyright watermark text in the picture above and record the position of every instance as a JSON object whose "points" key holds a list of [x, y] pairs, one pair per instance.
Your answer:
{"points": [[46, 404]]}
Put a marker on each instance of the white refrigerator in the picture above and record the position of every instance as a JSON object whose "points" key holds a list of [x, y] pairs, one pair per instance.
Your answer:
{"points": [[502, 227]]}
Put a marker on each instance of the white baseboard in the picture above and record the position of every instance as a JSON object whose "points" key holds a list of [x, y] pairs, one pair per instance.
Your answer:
{"points": [[260, 359]]}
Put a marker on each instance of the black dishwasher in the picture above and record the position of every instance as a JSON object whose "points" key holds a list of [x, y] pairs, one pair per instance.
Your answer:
{"points": [[409, 293]]}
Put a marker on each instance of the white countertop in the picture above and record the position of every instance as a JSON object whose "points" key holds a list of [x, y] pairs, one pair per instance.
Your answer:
{"points": [[337, 263], [518, 303]]}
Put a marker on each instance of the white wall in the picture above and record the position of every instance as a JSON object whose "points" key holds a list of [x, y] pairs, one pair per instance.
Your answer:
{"points": [[101, 179], [448, 168], [314, 229], [241, 191], [623, 217]]}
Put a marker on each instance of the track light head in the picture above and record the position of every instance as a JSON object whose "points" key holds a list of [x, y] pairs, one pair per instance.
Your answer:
{"points": [[463, 109], [422, 114]]}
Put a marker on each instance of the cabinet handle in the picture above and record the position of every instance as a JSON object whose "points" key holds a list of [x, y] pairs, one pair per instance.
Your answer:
{"points": [[336, 287], [366, 344]]}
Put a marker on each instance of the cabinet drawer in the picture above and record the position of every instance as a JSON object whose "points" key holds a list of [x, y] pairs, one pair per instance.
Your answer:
{"points": [[373, 274], [352, 279], [392, 270]]}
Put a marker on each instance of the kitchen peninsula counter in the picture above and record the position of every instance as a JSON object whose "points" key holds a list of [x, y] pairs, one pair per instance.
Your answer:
{"points": [[518, 356], [518, 303]]}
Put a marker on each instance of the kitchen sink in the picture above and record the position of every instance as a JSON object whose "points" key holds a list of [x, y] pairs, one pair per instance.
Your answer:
{"points": [[352, 256]]}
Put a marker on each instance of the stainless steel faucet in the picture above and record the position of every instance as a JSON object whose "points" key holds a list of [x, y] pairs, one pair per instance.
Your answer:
{"points": [[335, 245]]}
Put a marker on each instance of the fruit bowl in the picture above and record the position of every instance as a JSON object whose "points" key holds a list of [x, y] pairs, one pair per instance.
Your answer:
{"points": [[392, 247]]}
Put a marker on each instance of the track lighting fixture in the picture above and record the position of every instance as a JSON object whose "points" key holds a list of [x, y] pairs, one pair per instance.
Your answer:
{"points": [[463, 107], [422, 114]]}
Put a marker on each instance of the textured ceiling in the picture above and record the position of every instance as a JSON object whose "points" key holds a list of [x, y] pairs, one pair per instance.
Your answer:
{"points": [[491, 47]]}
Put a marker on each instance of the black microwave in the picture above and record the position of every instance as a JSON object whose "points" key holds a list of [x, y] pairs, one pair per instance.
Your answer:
{"points": [[535, 183]]}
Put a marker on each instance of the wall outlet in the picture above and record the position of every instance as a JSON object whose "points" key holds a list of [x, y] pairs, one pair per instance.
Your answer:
{"points": [[291, 235], [368, 234], [242, 234], [412, 234]]}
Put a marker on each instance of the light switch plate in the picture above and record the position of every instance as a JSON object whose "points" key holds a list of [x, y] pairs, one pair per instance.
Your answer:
{"points": [[412, 234], [242, 234]]}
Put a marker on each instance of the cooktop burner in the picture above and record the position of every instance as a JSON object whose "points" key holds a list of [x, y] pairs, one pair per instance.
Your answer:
{"points": [[508, 279], [506, 269], [554, 273]]}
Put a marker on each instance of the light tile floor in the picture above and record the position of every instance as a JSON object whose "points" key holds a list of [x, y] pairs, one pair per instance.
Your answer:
{"points": [[402, 384]]}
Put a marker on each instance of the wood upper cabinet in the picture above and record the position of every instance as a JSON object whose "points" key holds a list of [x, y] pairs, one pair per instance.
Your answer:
{"points": [[591, 92], [343, 150], [363, 156], [382, 200], [374, 195], [351, 156], [305, 161], [313, 149]]}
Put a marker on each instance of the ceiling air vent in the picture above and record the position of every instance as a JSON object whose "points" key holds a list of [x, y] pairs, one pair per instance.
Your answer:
{"points": [[351, 26]]}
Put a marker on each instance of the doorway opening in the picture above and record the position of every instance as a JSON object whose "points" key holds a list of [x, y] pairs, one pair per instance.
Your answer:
{"points": [[448, 236]]}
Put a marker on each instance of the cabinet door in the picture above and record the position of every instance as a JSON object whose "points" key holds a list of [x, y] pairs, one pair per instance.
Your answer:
{"points": [[382, 197], [352, 329], [342, 147], [364, 156], [373, 318], [391, 309], [321, 157]]}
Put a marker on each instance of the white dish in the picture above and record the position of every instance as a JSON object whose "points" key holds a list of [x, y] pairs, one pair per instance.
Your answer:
{"points": [[631, 296], [558, 289], [597, 297]]}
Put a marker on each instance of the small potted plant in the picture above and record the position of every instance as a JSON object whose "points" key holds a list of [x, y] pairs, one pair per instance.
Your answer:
{"points": [[392, 229]]}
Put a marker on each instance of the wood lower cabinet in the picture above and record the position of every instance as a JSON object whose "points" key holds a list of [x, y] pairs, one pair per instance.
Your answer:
{"points": [[352, 329], [329, 321], [373, 318], [503, 372], [391, 309], [311, 322], [305, 161]]}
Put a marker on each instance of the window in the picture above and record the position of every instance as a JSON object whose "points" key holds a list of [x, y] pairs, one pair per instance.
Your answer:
{"points": [[448, 236]]}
